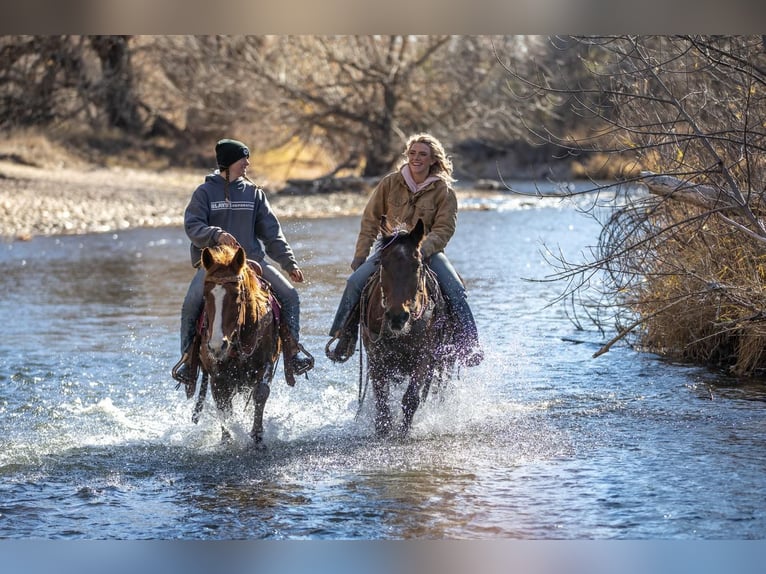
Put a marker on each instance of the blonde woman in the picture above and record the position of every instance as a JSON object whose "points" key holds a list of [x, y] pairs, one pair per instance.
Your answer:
{"points": [[421, 188]]}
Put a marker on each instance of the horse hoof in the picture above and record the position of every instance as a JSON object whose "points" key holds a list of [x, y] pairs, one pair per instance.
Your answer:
{"points": [[257, 443]]}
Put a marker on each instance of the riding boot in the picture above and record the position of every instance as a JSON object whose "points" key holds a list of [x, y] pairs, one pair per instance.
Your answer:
{"points": [[298, 360], [187, 369], [347, 338], [467, 344]]}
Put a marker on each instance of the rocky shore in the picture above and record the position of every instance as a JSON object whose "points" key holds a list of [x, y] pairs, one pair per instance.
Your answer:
{"points": [[52, 201], [36, 201]]}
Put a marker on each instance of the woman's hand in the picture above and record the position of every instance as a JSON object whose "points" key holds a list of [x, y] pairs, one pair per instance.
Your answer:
{"points": [[226, 238], [296, 275]]}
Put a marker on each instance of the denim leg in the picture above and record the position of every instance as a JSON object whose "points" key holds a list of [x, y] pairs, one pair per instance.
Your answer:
{"points": [[288, 298], [353, 292], [191, 309], [454, 291]]}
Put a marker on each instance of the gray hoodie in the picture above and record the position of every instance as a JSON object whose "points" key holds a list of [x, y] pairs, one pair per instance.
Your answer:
{"points": [[247, 216]]}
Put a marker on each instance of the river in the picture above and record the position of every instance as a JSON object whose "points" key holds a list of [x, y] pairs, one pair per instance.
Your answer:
{"points": [[540, 441]]}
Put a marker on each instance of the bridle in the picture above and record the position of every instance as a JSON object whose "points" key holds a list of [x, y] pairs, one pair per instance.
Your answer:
{"points": [[242, 311], [421, 304], [420, 293]]}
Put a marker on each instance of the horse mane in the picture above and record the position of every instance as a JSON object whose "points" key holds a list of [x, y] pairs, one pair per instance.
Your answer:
{"points": [[223, 256]]}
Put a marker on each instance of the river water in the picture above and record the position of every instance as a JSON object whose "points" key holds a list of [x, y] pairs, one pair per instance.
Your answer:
{"points": [[541, 441]]}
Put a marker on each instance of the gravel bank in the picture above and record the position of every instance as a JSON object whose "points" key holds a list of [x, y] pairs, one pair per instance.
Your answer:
{"points": [[36, 201]]}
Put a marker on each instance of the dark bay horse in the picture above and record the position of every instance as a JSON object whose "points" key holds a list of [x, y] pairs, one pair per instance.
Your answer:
{"points": [[406, 329], [240, 341]]}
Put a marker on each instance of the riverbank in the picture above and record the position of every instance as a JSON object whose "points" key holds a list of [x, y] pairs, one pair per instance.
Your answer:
{"points": [[52, 201]]}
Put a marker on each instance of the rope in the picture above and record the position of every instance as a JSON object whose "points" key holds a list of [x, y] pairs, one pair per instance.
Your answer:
{"points": [[362, 390]]}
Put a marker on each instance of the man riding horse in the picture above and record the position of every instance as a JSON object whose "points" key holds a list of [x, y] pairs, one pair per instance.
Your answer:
{"points": [[420, 189]]}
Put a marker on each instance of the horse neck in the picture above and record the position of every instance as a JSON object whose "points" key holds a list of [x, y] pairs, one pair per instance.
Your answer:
{"points": [[249, 313]]}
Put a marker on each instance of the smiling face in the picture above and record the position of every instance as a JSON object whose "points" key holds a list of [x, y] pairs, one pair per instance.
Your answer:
{"points": [[420, 159]]}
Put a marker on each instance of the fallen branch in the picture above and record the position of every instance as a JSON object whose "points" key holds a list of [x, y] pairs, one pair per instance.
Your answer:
{"points": [[704, 196], [709, 198]]}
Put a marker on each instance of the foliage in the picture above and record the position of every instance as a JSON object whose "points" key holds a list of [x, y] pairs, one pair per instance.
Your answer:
{"points": [[682, 266], [356, 98], [48, 79]]}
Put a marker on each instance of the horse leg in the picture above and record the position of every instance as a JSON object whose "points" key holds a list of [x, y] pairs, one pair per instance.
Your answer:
{"points": [[410, 404], [200, 398], [420, 382], [382, 411], [261, 395], [223, 398]]}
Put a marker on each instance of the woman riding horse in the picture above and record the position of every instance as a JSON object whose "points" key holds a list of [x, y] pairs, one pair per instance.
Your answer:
{"points": [[420, 189], [229, 209], [405, 327], [240, 342]]}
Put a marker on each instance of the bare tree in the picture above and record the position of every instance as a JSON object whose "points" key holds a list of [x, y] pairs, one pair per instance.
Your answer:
{"points": [[360, 96], [59, 79], [681, 265], [355, 98], [116, 90], [41, 79]]}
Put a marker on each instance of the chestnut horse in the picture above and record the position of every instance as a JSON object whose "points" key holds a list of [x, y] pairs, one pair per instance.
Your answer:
{"points": [[406, 330], [240, 338]]}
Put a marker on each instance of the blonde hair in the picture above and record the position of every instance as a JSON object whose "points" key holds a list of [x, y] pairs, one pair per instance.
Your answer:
{"points": [[442, 167]]}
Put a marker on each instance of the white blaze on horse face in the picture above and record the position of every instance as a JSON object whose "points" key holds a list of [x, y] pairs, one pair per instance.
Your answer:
{"points": [[216, 329]]}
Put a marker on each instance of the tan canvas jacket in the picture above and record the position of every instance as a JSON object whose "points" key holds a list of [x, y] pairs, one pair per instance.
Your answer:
{"points": [[436, 205]]}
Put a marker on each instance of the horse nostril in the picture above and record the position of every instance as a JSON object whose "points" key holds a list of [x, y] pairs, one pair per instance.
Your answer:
{"points": [[397, 320]]}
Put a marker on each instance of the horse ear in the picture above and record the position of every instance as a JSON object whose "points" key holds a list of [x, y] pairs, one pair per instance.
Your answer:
{"points": [[239, 258], [418, 231], [207, 259]]}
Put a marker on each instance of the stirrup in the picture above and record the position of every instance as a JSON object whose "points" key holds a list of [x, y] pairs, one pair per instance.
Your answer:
{"points": [[178, 376], [306, 368], [337, 355]]}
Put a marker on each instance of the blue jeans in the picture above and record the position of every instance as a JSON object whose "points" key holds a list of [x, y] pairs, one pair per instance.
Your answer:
{"points": [[286, 294], [449, 281]]}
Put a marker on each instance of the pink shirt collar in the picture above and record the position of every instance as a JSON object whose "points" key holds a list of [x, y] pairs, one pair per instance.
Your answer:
{"points": [[415, 187]]}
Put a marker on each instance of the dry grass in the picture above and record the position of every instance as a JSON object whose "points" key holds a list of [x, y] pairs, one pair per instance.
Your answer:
{"points": [[83, 150], [717, 275], [34, 149]]}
